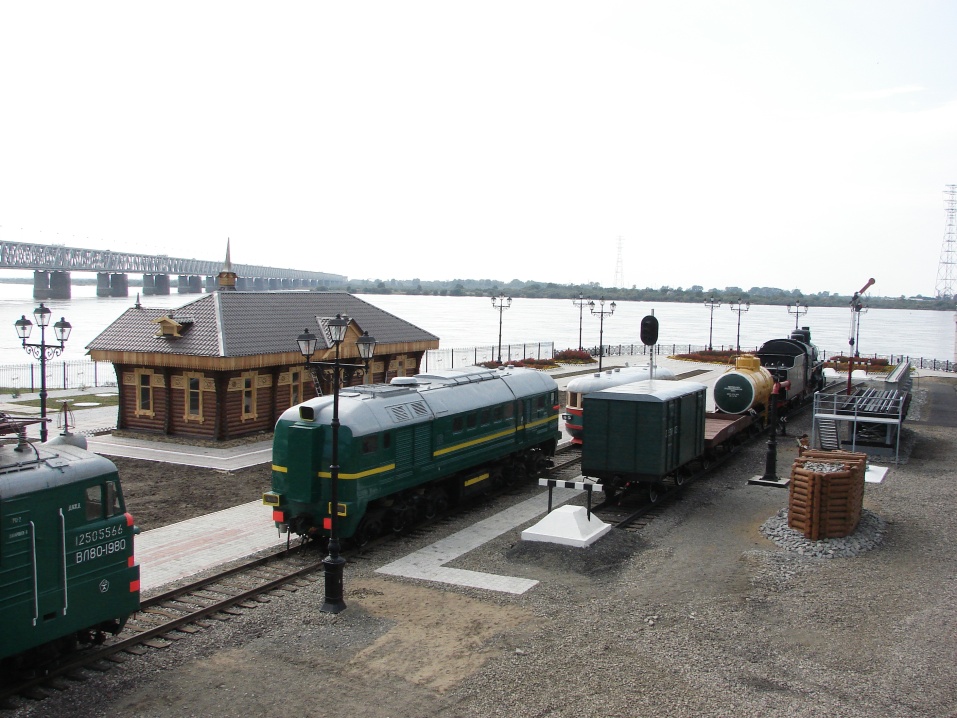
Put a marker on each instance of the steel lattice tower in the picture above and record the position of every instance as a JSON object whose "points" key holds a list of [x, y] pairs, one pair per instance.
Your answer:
{"points": [[619, 269], [948, 252]]}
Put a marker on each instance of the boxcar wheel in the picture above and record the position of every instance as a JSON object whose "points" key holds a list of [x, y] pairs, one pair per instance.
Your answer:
{"points": [[653, 494]]}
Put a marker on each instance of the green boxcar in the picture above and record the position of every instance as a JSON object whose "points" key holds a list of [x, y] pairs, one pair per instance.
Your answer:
{"points": [[644, 431], [67, 568], [409, 449]]}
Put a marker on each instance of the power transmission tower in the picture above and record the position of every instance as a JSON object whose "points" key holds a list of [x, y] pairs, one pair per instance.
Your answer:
{"points": [[948, 252], [619, 269]]}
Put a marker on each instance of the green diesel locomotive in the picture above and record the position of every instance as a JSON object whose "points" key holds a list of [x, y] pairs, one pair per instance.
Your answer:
{"points": [[67, 571], [409, 449]]}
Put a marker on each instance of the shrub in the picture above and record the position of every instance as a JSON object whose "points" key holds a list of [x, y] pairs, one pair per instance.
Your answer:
{"points": [[574, 356]]}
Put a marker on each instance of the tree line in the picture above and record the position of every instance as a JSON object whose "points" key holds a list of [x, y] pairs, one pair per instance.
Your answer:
{"points": [[550, 290]]}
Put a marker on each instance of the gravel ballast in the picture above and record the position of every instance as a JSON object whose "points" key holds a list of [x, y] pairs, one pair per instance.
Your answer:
{"points": [[715, 608]]}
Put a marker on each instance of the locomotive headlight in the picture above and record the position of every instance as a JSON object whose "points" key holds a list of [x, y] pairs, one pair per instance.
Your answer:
{"points": [[271, 498]]}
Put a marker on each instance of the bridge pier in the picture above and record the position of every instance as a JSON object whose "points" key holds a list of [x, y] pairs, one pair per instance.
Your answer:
{"points": [[274, 284], [190, 284], [162, 284], [242, 285], [51, 285], [259, 284], [211, 283], [112, 284]]}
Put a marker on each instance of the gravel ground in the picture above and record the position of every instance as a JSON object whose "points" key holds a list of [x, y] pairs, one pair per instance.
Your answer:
{"points": [[698, 614]]}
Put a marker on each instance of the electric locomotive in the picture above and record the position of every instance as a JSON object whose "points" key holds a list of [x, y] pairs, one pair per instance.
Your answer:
{"points": [[409, 449], [578, 388], [67, 569]]}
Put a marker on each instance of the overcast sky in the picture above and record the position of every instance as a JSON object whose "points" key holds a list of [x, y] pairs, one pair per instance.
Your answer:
{"points": [[793, 144]]}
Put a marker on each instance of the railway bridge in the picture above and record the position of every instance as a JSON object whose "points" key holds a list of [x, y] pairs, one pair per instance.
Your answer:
{"points": [[53, 264]]}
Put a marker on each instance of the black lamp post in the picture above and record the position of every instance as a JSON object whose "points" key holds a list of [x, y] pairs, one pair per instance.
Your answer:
{"points": [[43, 351], [798, 311], [712, 305], [600, 313], [580, 303], [501, 303], [333, 563], [739, 307]]}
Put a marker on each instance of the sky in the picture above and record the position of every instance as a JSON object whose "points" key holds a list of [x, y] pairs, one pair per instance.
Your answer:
{"points": [[801, 145]]}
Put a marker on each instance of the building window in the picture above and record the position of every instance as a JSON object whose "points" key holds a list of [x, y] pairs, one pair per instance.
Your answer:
{"points": [[194, 397], [249, 395], [144, 392], [295, 387]]}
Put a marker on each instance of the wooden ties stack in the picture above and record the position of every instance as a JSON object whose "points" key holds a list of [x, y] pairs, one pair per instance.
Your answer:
{"points": [[826, 493]]}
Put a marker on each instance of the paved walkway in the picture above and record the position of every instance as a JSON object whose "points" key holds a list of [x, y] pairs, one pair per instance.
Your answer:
{"points": [[186, 548]]}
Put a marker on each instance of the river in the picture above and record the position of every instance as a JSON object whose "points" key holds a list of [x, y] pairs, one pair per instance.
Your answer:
{"points": [[469, 321]]}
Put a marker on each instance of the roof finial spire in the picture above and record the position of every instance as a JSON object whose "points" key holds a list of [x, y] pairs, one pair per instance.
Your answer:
{"points": [[227, 277]]}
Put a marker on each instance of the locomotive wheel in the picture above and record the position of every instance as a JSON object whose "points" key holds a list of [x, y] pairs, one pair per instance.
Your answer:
{"points": [[440, 499], [518, 473], [681, 476], [402, 516], [653, 494], [536, 465], [369, 528], [429, 510]]}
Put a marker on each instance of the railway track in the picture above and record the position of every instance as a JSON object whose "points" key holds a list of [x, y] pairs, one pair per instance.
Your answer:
{"points": [[176, 614], [180, 612], [170, 616]]}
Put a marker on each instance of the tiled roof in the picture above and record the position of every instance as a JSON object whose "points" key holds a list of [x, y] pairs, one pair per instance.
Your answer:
{"points": [[235, 324]]}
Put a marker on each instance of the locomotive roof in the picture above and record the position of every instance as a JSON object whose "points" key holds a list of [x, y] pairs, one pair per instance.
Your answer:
{"points": [[613, 377], [373, 408], [650, 390], [50, 466]]}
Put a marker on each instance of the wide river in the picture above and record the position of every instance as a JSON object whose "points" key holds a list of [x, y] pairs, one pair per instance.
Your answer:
{"points": [[462, 322]]}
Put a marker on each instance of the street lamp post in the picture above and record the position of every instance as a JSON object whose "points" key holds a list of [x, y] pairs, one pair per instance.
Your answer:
{"points": [[600, 313], [43, 351], [798, 311], [580, 303], [739, 307], [501, 303], [712, 305], [333, 563]]}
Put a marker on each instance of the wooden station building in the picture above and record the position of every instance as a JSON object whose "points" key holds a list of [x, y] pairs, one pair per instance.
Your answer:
{"points": [[227, 365]]}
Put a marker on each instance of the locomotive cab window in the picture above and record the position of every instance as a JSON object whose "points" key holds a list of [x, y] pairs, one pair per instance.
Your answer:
{"points": [[370, 444], [102, 501], [94, 503]]}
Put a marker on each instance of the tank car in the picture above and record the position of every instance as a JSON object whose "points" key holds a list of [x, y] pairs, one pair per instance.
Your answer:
{"points": [[747, 387], [67, 568], [409, 449], [578, 388]]}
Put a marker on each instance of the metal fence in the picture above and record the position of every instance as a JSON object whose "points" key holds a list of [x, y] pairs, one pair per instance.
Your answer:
{"points": [[80, 373], [436, 359], [77, 374]]}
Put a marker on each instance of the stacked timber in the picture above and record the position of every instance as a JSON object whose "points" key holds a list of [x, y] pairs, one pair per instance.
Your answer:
{"points": [[826, 493]]}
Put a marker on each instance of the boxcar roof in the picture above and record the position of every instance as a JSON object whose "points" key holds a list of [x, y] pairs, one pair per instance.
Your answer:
{"points": [[653, 390]]}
